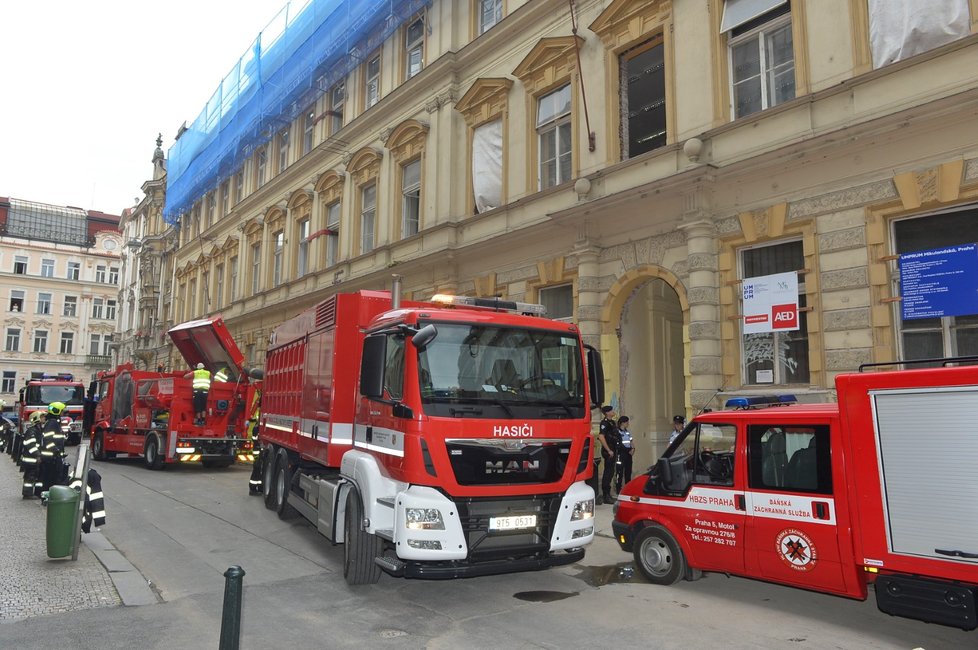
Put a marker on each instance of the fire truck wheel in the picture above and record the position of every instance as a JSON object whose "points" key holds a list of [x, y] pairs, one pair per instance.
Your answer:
{"points": [[658, 556], [98, 448], [268, 476], [281, 487], [151, 452], [359, 547]]}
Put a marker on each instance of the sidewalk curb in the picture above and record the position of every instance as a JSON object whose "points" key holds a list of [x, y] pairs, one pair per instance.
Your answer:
{"points": [[133, 588]]}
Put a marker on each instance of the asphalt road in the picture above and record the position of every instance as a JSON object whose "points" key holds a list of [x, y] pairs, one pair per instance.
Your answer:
{"points": [[185, 526]]}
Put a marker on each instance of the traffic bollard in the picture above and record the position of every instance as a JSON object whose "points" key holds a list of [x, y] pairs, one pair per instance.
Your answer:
{"points": [[231, 616]]}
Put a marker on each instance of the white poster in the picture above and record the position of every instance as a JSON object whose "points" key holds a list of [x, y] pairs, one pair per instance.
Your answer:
{"points": [[771, 303]]}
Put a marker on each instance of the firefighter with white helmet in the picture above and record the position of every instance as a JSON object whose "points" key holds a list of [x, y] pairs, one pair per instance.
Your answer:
{"points": [[201, 386], [53, 446]]}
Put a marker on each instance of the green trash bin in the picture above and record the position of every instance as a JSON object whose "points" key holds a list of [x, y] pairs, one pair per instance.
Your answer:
{"points": [[61, 527]]}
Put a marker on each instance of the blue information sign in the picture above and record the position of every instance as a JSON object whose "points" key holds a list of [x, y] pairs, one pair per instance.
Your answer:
{"points": [[940, 282]]}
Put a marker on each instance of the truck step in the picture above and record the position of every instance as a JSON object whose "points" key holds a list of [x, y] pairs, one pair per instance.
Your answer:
{"points": [[391, 564], [385, 533], [386, 501]]}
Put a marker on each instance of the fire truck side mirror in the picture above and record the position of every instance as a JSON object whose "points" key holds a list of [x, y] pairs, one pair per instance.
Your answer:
{"points": [[595, 376], [424, 336], [255, 373], [372, 366]]}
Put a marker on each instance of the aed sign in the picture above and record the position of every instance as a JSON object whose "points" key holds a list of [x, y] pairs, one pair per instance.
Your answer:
{"points": [[771, 303]]}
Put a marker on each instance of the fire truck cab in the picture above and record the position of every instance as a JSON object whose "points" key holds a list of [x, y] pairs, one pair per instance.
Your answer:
{"points": [[828, 497], [43, 389]]}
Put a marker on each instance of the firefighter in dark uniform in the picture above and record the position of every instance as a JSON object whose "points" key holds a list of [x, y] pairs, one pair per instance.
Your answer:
{"points": [[94, 510], [31, 455], [255, 482], [53, 447]]}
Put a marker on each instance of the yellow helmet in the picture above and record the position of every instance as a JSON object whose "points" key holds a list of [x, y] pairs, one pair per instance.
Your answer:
{"points": [[36, 416], [56, 408]]}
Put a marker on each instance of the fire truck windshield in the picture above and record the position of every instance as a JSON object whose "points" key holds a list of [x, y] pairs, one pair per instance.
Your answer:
{"points": [[45, 394], [498, 371]]}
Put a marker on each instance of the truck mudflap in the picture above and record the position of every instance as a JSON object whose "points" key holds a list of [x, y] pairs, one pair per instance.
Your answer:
{"points": [[933, 601], [448, 570]]}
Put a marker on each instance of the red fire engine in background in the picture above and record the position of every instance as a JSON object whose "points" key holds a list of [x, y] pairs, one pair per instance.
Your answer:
{"points": [[434, 440], [878, 488], [40, 391], [151, 414]]}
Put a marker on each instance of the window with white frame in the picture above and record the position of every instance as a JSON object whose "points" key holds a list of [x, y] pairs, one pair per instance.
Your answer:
{"points": [[337, 100], [20, 265], [302, 252], [219, 285], [98, 308], [332, 233], [410, 198], [191, 306], [44, 303], [95, 345], [776, 357], [762, 59], [239, 186], [13, 340], [940, 337], [40, 341], [277, 253], [74, 270], [283, 150], [308, 129], [261, 162], [643, 98], [559, 302], [368, 213], [225, 198], [16, 300], [100, 274], [67, 343], [414, 47], [372, 85], [490, 13], [255, 268], [554, 137], [70, 306], [9, 382], [47, 268], [110, 309], [233, 272], [211, 208], [113, 275]]}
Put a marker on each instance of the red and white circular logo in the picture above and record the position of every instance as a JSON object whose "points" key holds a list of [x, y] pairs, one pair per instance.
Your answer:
{"points": [[796, 550]]}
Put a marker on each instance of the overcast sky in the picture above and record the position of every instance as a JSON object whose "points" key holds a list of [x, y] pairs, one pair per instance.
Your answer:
{"points": [[87, 86]]}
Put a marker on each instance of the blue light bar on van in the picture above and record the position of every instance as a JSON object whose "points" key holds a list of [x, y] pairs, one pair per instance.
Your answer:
{"points": [[759, 400]]}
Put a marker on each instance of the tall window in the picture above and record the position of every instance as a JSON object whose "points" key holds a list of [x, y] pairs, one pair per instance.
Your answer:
{"points": [[13, 340], [47, 268], [20, 264], [277, 254], [16, 300], [332, 233], [40, 341], [239, 186], [302, 254], [114, 275], [219, 282], [191, 306], [490, 13], [554, 137], [67, 342], [225, 198], [71, 306], [368, 213], [776, 357], [337, 99], [948, 336], [95, 345], [233, 290], [110, 307], [414, 47], [559, 302], [410, 198], [74, 270], [100, 274], [98, 308], [9, 382], [255, 268], [283, 150], [44, 303], [762, 60], [211, 208], [261, 161], [372, 85], [643, 99], [308, 129]]}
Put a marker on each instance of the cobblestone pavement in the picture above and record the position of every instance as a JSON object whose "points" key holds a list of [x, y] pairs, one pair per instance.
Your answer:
{"points": [[31, 583]]}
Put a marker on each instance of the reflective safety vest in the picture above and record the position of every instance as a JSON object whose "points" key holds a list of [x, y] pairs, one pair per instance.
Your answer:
{"points": [[202, 379], [222, 375]]}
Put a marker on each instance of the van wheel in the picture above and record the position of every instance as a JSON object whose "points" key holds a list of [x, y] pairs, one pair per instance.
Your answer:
{"points": [[282, 487], [658, 556], [359, 547], [268, 456], [151, 453]]}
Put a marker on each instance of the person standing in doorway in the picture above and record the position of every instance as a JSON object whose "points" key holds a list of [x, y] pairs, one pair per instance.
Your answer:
{"points": [[201, 386], [610, 440], [625, 452]]}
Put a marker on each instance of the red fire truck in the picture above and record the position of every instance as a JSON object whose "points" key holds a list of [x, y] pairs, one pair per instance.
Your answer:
{"points": [[41, 390], [878, 488], [434, 440], [151, 414]]}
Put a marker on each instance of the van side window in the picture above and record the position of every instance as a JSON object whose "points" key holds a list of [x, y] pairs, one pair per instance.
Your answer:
{"points": [[790, 458]]}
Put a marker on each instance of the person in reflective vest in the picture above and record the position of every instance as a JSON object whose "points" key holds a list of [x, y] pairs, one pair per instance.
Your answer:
{"points": [[94, 511], [255, 482], [52, 447], [30, 456], [201, 386], [222, 374]]}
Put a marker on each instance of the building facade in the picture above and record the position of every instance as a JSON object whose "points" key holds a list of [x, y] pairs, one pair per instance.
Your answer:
{"points": [[628, 163], [59, 283]]}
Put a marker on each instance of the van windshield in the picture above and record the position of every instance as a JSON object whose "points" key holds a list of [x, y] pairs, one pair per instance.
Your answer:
{"points": [[498, 371]]}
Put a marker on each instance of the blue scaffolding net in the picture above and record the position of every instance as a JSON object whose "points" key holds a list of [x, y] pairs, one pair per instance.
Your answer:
{"points": [[306, 49]]}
